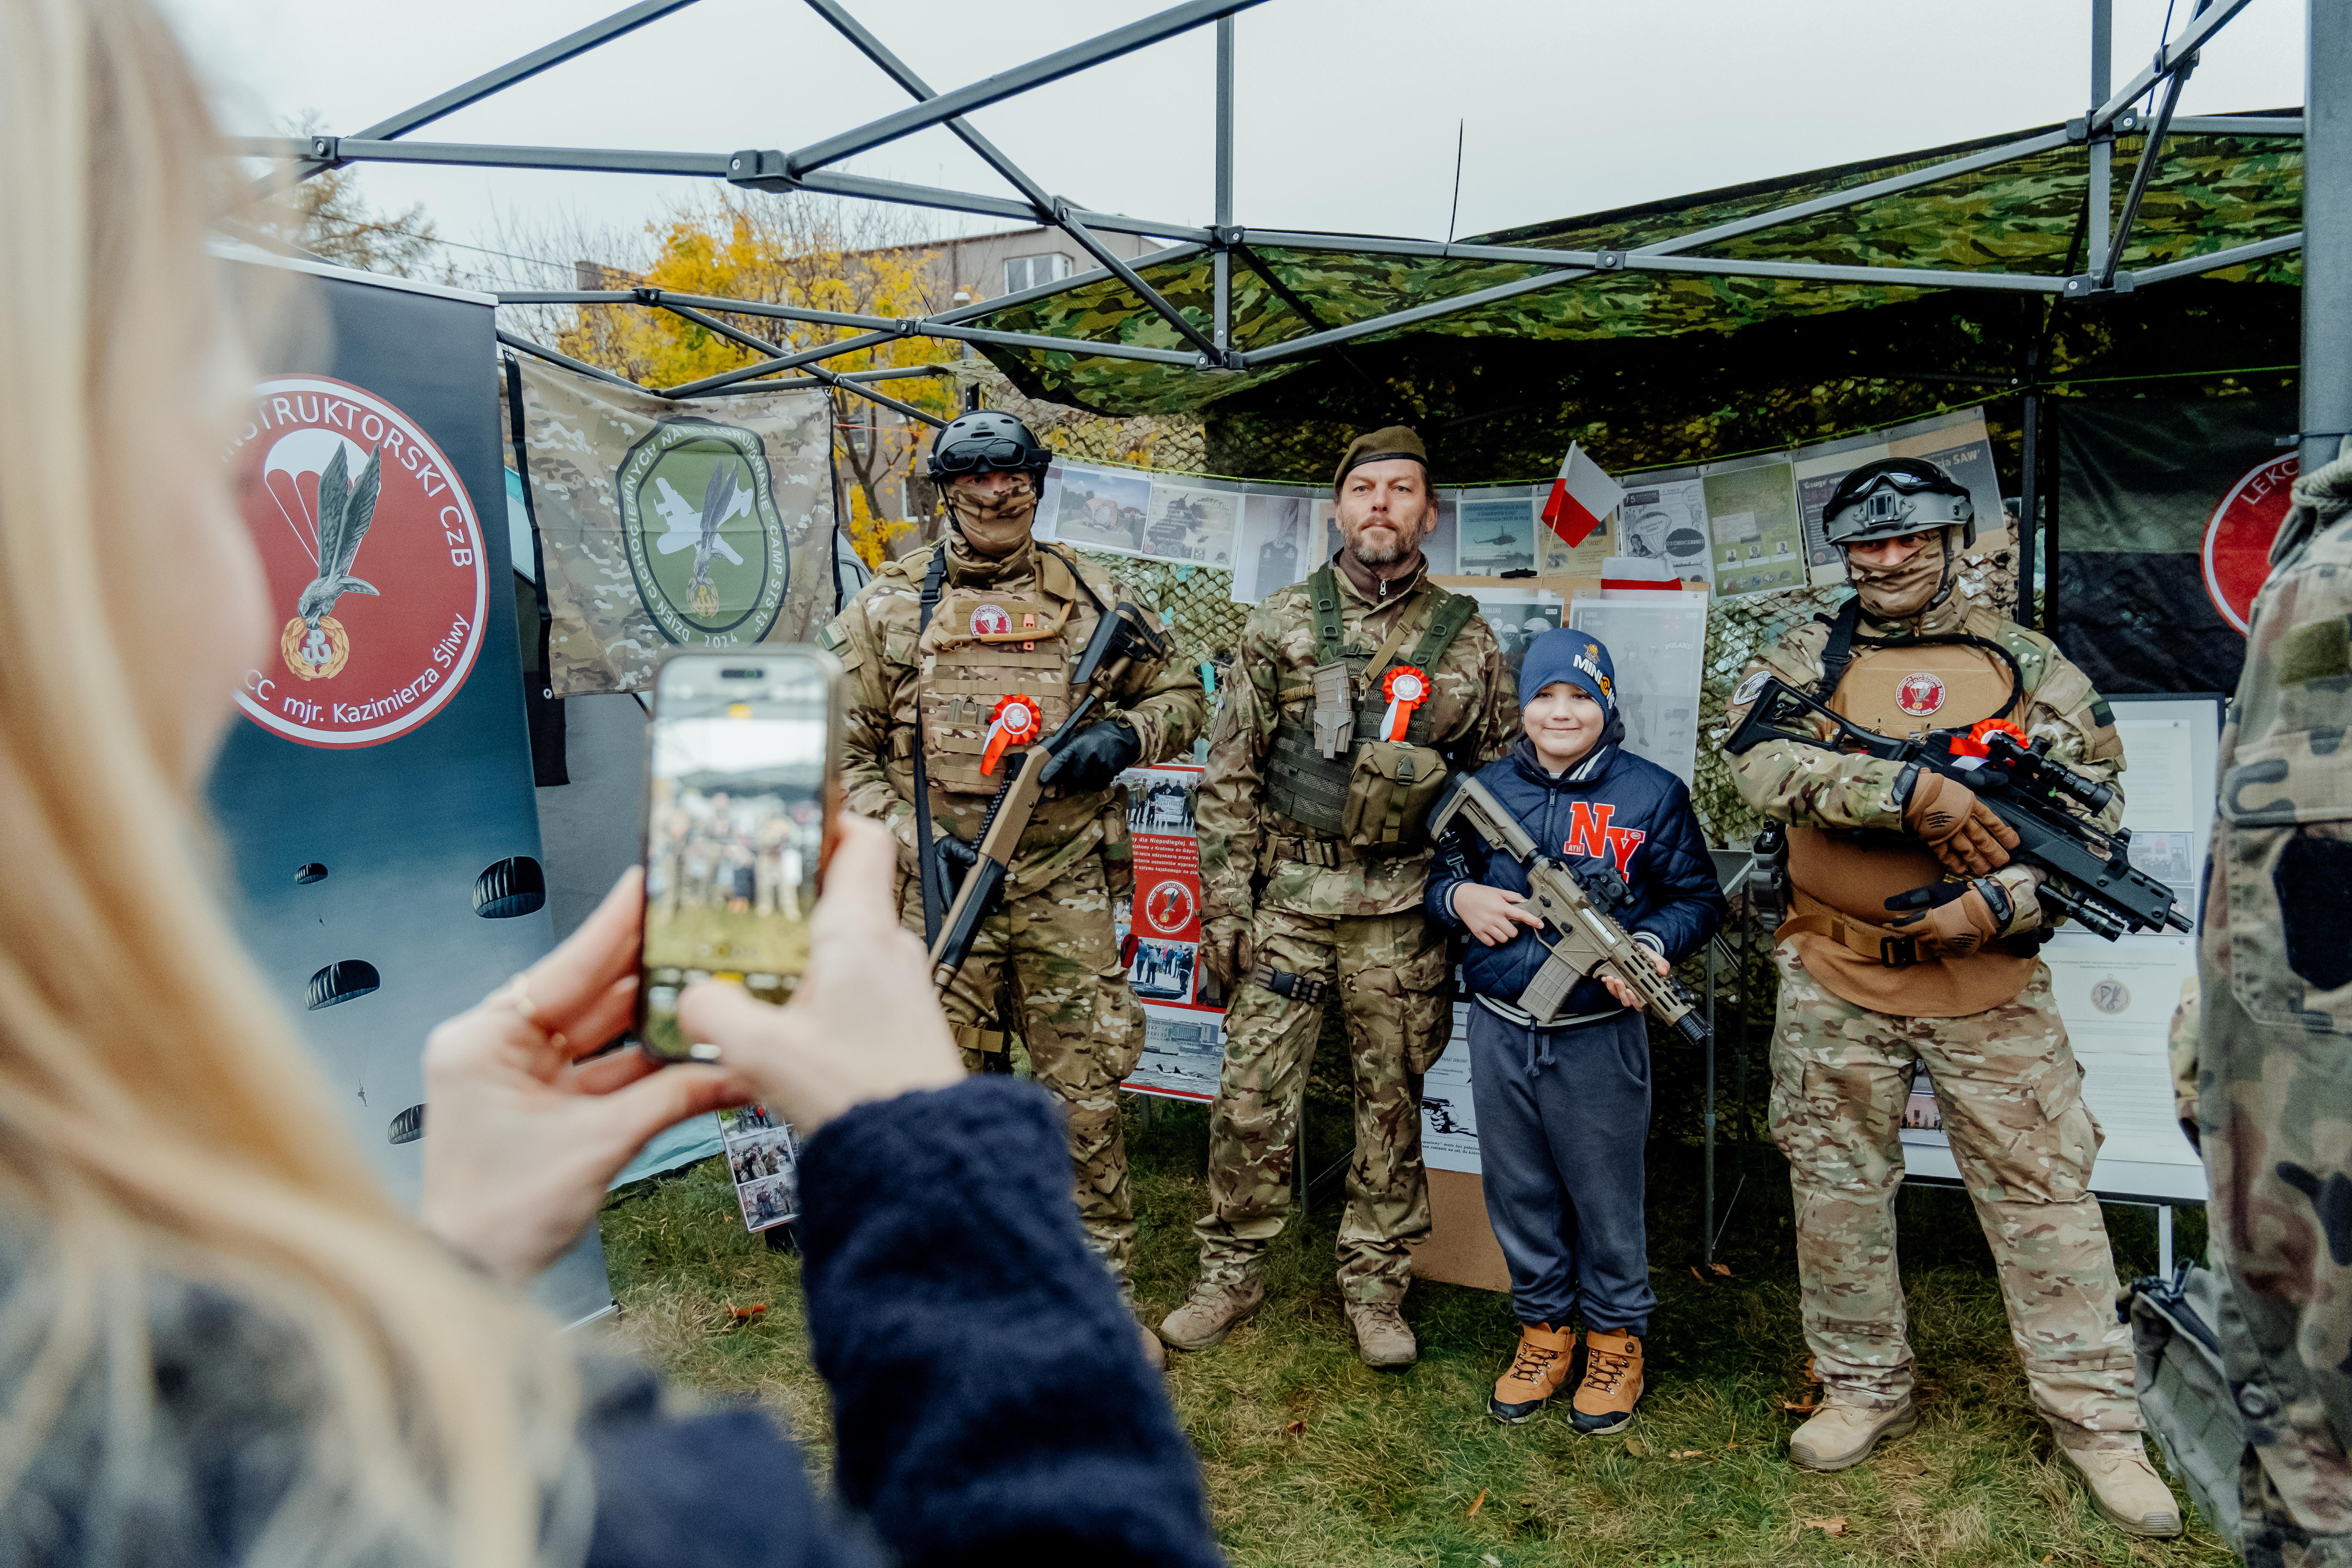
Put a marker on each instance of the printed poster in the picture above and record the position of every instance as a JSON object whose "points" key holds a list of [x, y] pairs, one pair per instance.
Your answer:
{"points": [[762, 1158], [1517, 616], [1098, 508], [1158, 926], [1449, 1117], [1664, 517], [1957, 443], [1276, 547], [1660, 654], [1192, 523], [1757, 535]]}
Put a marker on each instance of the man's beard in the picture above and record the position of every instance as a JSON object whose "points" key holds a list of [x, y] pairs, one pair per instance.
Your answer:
{"points": [[996, 525], [1402, 545]]}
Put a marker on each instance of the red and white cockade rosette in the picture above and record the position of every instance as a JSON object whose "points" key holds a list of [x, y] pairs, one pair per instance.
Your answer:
{"points": [[1974, 744], [1406, 690], [1013, 724]]}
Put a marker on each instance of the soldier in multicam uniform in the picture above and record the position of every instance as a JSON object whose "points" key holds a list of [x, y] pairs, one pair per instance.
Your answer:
{"points": [[1351, 696], [1868, 996], [2272, 1062], [1012, 616]]}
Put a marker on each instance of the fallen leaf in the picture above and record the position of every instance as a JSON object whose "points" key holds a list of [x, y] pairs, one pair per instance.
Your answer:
{"points": [[1475, 1504], [1722, 1269], [1635, 1447], [1297, 1428], [1696, 1275], [1805, 1409], [1828, 1526], [740, 1313], [1688, 1454], [1811, 1375]]}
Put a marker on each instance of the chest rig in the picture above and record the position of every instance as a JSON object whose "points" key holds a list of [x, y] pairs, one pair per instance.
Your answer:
{"points": [[1311, 764], [985, 644]]}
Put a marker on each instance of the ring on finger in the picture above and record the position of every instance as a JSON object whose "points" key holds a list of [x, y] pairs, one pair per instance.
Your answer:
{"points": [[516, 993]]}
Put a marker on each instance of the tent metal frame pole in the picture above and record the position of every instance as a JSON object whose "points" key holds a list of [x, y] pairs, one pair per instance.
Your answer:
{"points": [[1221, 262], [2166, 62], [2100, 194], [2327, 221], [734, 334], [2150, 151]]}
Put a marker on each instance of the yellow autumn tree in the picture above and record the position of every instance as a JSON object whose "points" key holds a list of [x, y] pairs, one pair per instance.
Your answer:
{"points": [[799, 252]]}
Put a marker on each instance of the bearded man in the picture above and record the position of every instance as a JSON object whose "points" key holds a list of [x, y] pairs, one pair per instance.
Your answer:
{"points": [[1352, 695], [1869, 995], [939, 642]]}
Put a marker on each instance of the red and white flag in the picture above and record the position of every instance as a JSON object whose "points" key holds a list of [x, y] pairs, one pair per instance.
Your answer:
{"points": [[1581, 498]]}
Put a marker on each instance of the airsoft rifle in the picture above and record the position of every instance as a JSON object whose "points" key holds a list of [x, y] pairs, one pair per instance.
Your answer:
{"points": [[2046, 803], [1584, 937], [1122, 635]]}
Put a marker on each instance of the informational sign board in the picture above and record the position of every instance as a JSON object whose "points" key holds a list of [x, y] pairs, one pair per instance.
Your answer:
{"points": [[375, 793], [2118, 998], [1160, 932], [1660, 653]]}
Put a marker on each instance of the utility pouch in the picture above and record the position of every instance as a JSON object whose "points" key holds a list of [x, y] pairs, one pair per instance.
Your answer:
{"points": [[1335, 708], [1391, 789]]}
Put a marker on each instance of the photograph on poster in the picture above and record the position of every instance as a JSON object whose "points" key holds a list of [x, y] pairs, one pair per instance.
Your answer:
{"points": [[1517, 616], [771, 1201], [1163, 801], [1497, 534], [1185, 522], [1162, 970], [763, 1162], [1183, 1052], [1276, 547], [1758, 538], [1660, 651], [1664, 520], [1103, 509], [1449, 1115]]}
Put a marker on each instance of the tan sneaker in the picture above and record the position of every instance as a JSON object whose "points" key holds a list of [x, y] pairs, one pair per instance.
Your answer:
{"points": [[1381, 1338], [1613, 1383], [2128, 1489], [1538, 1366], [1841, 1436], [1209, 1313]]}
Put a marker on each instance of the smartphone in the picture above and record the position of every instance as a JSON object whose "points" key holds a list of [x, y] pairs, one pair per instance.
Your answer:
{"points": [[742, 788]]}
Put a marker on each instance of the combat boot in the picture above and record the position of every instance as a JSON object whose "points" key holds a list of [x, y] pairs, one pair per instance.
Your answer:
{"points": [[1381, 1338], [1210, 1313], [2128, 1489], [1842, 1435], [1538, 1366], [1613, 1383]]}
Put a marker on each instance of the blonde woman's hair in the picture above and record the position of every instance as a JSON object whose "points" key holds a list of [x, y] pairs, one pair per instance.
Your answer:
{"points": [[160, 1123]]}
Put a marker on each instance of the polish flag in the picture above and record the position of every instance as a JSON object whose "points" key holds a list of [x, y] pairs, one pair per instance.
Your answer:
{"points": [[1581, 498]]}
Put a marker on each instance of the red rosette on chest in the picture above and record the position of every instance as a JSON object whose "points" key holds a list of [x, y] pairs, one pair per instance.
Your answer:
{"points": [[1406, 687], [1012, 722]]}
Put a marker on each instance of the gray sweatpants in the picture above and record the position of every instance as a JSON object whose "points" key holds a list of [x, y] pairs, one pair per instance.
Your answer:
{"points": [[1563, 1116]]}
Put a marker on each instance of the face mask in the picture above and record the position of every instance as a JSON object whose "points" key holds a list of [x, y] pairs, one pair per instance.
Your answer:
{"points": [[1898, 593], [994, 525]]}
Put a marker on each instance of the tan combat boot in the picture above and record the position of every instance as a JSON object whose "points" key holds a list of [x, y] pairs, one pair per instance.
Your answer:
{"points": [[2128, 1489], [1613, 1383], [1155, 1354], [1381, 1338], [1210, 1313], [1842, 1435], [1538, 1366]]}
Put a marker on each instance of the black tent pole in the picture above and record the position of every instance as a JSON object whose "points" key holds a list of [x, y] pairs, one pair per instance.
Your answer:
{"points": [[2326, 233]]}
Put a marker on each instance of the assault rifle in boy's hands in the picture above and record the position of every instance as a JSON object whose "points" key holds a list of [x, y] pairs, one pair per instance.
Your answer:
{"points": [[2046, 803], [1582, 936], [1124, 634]]}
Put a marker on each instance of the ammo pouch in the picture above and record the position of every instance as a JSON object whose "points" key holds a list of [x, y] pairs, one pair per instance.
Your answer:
{"points": [[1392, 787], [2184, 1390]]}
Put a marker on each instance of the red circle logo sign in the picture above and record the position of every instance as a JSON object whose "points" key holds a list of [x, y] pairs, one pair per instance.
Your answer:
{"points": [[1920, 694], [1168, 906], [2239, 535], [374, 555]]}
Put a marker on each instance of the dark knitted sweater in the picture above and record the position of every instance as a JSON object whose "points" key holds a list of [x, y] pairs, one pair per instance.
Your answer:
{"points": [[991, 1403]]}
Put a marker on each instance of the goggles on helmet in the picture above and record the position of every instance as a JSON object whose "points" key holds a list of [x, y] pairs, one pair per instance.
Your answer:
{"points": [[980, 455], [1884, 501]]}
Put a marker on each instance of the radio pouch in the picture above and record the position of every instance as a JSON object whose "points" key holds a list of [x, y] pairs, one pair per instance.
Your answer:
{"points": [[1391, 789], [1334, 709]]}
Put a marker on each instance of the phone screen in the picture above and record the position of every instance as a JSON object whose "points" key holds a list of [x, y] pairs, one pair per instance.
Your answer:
{"points": [[735, 828]]}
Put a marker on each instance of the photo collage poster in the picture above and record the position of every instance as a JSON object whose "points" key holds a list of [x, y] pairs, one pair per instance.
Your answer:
{"points": [[1159, 927], [765, 1163]]}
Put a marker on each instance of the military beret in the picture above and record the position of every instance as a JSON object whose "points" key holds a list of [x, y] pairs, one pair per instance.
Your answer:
{"points": [[1394, 441]]}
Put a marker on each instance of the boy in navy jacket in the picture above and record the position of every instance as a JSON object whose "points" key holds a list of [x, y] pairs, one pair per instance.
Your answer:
{"points": [[1564, 1111]]}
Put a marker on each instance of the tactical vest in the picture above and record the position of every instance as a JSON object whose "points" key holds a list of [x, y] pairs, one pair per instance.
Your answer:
{"points": [[984, 645], [1314, 791], [1902, 689]]}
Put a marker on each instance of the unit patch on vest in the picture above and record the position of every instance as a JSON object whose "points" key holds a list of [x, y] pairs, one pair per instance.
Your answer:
{"points": [[991, 620], [1920, 694], [1590, 834], [1750, 688]]}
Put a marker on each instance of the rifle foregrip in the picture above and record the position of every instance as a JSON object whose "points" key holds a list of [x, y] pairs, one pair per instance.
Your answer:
{"points": [[961, 928]]}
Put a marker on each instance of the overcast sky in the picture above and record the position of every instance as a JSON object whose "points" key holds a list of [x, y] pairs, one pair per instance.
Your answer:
{"points": [[1347, 113]]}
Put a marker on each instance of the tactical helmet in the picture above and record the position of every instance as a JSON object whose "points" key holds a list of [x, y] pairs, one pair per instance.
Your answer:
{"points": [[1898, 496], [987, 442]]}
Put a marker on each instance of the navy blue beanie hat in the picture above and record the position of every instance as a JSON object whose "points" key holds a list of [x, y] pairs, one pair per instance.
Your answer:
{"points": [[1578, 658]]}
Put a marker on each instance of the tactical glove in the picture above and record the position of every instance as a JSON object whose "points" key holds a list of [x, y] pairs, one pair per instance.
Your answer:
{"points": [[1946, 815], [1225, 949], [1095, 755], [952, 861], [1955, 922]]}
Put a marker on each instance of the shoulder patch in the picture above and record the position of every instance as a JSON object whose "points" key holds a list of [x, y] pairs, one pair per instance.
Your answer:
{"points": [[2316, 650], [831, 638], [2101, 714], [1750, 688]]}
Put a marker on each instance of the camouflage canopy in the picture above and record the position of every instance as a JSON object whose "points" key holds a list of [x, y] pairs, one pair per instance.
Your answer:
{"points": [[2214, 190]]}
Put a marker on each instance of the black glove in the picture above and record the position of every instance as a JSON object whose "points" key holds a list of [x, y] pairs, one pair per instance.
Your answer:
{"points": [[952, 861], [1099, 754]]}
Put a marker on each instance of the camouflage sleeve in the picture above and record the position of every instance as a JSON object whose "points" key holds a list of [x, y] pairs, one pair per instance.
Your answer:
{"points": [[865, 786], [1165, 705], [1233, 788], [1497, 724], [1804, 785], [2064, 709]]}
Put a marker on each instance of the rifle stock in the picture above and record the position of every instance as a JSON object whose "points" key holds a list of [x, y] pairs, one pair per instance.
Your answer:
{"points": [[1587, 937]]}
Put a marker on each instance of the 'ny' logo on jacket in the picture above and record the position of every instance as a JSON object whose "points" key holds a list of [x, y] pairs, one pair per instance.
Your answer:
{"points": [[1588, 833]]}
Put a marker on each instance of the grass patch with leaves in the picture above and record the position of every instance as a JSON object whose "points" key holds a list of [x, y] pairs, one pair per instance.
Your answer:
{"points": [[1311, 1457]]}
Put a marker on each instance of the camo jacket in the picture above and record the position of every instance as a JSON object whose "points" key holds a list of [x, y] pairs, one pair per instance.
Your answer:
{"points": [[1803, 785], [1474, 718], [876, 638]]}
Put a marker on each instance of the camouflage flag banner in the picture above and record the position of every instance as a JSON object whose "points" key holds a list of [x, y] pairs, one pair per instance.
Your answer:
{"points": [[663, 524]]}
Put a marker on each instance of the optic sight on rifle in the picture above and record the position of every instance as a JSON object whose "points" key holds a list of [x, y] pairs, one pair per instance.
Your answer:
{"points": [[2089, 870]]}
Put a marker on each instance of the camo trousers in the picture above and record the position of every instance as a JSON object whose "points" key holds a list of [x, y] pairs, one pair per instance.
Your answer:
{"points": [[2010, 1093], [1079, 1022], [1391, 972]]}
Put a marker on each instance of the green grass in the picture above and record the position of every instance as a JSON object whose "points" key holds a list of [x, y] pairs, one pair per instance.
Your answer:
{"points": [[1313, 1459]]}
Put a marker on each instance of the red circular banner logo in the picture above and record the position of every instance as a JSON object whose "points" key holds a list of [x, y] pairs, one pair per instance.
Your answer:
{"points": [[1168, 908], [2238, 538], [374, 555], [1920, 694]]}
